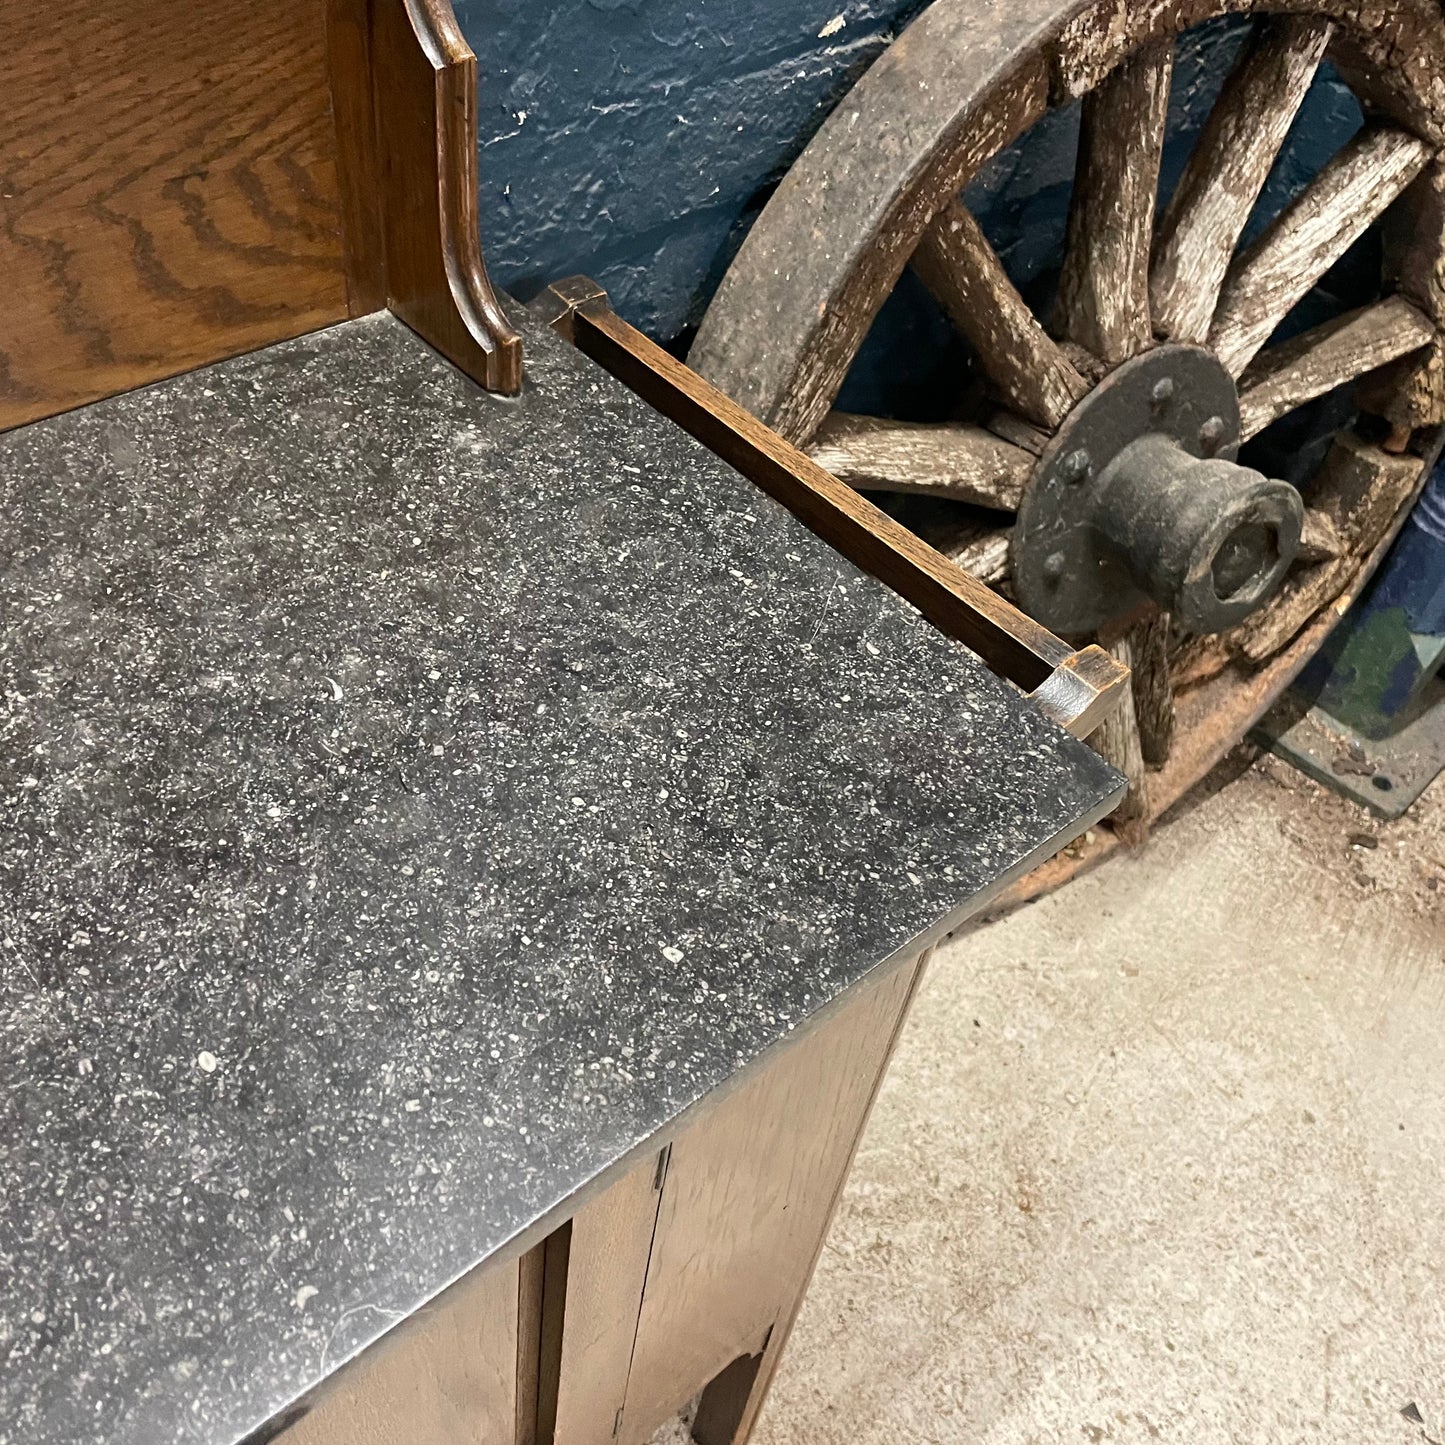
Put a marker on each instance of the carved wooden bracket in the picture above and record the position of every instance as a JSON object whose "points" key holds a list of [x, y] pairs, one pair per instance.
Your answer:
{"points": [[405, 83], [425, 85]]}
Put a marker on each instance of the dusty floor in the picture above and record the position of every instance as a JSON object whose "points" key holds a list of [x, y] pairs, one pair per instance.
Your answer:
{"points": [[1161, 1157]]}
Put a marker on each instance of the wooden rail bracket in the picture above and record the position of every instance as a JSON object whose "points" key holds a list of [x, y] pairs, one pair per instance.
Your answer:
{"points": [[1077, 688]]}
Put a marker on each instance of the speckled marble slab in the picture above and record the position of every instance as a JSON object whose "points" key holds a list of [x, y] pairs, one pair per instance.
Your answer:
{"points": [[413, 800]]}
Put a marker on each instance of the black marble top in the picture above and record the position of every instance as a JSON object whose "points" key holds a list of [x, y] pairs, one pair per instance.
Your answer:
{"points": [[413, 799]]}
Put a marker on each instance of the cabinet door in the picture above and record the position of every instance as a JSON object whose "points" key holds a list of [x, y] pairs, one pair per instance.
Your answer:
{"points": [[746, 1202], [446, 1377]]}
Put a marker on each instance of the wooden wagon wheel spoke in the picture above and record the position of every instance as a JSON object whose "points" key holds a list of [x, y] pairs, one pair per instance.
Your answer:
{"points": [[1227, 171], [966, 463], [1357, 495], [956, 263], [1327, 356], [1135, 525], [1103, 301], [977, 547], [985, 555], [1311, 234], [1118, 741], [1153, 691], [1319, 538]]}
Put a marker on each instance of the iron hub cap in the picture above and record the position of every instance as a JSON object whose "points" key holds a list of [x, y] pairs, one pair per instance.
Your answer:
{"points": [[1138, 497]]}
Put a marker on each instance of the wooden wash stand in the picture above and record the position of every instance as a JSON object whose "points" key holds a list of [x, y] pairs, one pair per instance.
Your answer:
{"points": [[289, 1158]]}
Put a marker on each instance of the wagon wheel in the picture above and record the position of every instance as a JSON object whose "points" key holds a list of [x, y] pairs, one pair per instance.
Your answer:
{"points": [[1108, 428]]}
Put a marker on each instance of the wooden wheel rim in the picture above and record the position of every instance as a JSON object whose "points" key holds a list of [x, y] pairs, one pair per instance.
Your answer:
{"points": [[879, 179]]}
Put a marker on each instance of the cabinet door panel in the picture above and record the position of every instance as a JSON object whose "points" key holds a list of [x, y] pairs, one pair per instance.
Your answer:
{"points": [[446, 1377], [746, 1201]]}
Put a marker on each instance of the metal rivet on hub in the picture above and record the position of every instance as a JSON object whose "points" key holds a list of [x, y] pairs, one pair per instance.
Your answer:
{"points": [[1054, 565], [1163, 392], [1075, 466], [1211, 435]]}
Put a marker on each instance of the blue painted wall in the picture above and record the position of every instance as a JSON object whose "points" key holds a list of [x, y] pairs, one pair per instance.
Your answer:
{"points": [[636, 139], [633, 139]]}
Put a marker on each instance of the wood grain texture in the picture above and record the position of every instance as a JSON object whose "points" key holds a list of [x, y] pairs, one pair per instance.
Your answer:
{"points": [[1103, 299], [793, 308], [985, 555], [1213, 715], [969, 539], [448, 1376], [531, 1282], [1327, 356], [1018, 432], [1074, 687], [358, 162], [1411, 393], [168, 192], [949, 459], [744, 1416], [1360, 490], [1023, 363], [607, 1272], [748, 1196], [1308, 237], [425, 85], [1319, 538], [1226, 172], [787, 320], [1153, 688], [1118, 742], [1391, 55]]}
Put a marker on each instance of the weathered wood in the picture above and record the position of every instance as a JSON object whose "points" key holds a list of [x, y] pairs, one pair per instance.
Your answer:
{"points": [[1212, 716], [986, 556], [957, 264], [1226, 172], [1015, 429], [425, 83], [1103, 300], [783, 328], [1074, 687], [790, 314], [1320, 538], [168, 192], [1296, 603], [1091, 367], [1411, 393], [1198, 660], [1388, 54], [1153, 688], [1312, 233], [1360, 490], [1327, 356], [949, 459], [979, 547], [1117, 740]]}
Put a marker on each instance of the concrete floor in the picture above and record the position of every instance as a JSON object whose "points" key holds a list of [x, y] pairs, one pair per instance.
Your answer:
{"points": [[1161, 1157]]}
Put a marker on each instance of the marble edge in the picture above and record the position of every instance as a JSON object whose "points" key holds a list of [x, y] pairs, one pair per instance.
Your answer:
{"points": [[532, 1234]]}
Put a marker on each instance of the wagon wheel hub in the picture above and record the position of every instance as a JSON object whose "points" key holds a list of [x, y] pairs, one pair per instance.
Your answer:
{"points": [[1138, 497], [1089, 461]]}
